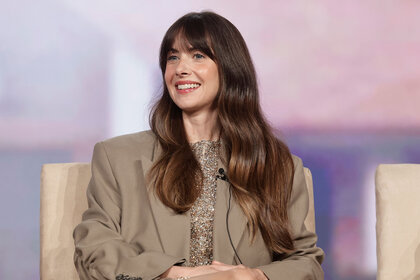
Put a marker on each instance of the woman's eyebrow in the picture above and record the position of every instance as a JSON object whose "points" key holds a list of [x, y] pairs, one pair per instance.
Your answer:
{"points": [[192, 49], [172, 50]]}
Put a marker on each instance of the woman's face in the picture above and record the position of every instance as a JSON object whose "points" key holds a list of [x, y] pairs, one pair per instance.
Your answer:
{"points": [[192, 79]]}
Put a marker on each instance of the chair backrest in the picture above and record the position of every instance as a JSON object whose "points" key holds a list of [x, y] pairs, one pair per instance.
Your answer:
{"points": [[63, 200], [398, 221]]}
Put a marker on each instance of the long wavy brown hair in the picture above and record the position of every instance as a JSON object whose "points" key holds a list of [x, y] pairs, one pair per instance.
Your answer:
{"points": [[259, 166]]}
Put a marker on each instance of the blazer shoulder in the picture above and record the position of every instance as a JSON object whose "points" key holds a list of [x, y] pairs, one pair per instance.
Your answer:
{"points": [[297, 161], [135, 144]]}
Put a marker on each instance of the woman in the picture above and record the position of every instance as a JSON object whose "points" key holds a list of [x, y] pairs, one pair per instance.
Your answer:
{"points": [[209, 192]]}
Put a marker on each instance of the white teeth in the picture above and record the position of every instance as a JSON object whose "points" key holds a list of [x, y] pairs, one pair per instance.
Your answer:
{"points": [[185, 86]]}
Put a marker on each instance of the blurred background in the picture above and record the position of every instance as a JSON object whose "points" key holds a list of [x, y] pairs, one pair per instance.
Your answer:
{"points": [[339, 80]]}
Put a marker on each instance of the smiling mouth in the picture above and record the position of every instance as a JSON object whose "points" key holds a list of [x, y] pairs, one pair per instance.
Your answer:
{"points": [[187, 86]]}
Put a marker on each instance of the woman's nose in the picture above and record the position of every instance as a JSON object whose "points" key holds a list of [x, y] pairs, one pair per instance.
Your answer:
{"points": [[182, 69]]}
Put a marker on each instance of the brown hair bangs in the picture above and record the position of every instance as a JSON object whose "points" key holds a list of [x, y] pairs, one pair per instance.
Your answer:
{"points": [[193, 35]]}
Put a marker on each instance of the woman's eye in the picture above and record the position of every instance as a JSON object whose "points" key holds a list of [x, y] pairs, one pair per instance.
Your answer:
{"points": [[198, 55], [172, 57]]}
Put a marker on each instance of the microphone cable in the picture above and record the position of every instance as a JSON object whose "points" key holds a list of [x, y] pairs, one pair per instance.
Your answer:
{"points": [[223, 177], [227, 226]]}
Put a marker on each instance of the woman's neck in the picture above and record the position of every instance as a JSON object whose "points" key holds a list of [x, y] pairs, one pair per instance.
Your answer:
{"points": [[201, 126]]}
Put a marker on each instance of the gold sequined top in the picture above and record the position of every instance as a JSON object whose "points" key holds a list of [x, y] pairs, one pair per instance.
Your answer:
{"points": [[202, 212]]}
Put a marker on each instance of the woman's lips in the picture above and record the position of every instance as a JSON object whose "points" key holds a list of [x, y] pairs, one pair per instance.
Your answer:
{"points": [[186, 86]]}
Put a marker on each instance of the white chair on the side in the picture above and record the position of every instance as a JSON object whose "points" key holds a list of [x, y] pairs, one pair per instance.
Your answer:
{"points": [[398, 221]]}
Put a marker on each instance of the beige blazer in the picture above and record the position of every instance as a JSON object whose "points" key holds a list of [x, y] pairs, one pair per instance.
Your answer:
{"points": [[127, 230]]}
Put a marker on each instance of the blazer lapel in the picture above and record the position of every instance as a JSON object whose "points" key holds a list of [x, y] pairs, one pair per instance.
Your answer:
{"points": [[173, 229], [237, 221]]}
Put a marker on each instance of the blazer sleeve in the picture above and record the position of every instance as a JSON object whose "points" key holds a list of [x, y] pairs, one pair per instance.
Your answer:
{"points": [[305, 261], [101, 252]]}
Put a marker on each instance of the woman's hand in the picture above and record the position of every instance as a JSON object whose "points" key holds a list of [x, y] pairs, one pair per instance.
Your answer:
{"points": [[240, 272], [234, 272], [216, 270], [179, 271]]}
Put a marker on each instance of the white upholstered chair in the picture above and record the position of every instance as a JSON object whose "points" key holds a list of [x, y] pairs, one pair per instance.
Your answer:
{"points": [[398, 221], [63, 200]]}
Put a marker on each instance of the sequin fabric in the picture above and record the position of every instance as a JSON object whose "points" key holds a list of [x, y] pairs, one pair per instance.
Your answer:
{"points": [[202, 211], [126, 277]]}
